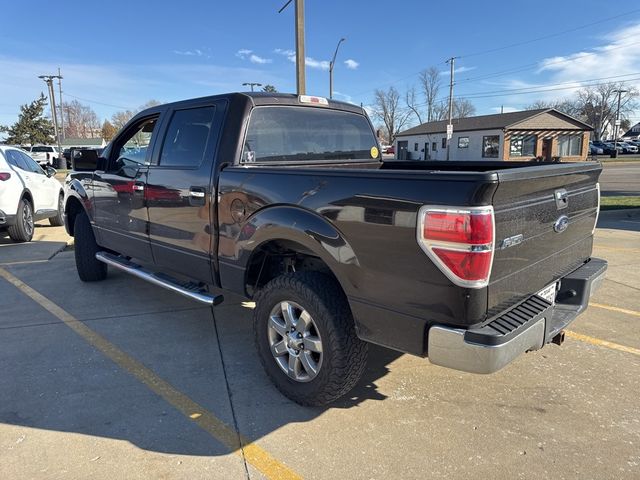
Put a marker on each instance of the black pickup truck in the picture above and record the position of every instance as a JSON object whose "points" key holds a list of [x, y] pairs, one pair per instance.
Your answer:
{"points": [[286, 200]]}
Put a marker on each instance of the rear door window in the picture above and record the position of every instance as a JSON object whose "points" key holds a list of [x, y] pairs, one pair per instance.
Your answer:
{"points": [[187, 135], [294, 134]]}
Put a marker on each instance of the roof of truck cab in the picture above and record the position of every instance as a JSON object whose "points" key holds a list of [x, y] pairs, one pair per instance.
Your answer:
{"points": [[260, 99]]}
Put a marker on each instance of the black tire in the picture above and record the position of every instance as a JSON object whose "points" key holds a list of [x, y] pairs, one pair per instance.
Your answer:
{"points": [[89, 268], [22, 231], [344, 355], [58, 220]]}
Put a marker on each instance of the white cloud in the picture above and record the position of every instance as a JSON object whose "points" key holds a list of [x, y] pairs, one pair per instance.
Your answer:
{"points": [[246, 54], [344, 96], [309, 61], [196, 52], [318, 64], [351, 64], [457, 70], [253, 58], [619, 57], [243, 53]]}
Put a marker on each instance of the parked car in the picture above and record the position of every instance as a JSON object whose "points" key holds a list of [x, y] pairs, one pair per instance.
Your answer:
{"points": [[609, 148], [391, 150], [628, 147], [29, 194], [44, 154], [286, 200], [595, 150]]}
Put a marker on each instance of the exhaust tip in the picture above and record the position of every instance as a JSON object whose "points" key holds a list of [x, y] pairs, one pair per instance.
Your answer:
{"points": [[559, 338]]}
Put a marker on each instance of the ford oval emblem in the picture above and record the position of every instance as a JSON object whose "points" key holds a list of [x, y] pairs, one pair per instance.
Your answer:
{"points": [[561, 224]]}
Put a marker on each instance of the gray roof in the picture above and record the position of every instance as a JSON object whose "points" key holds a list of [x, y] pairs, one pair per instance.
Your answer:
{"points": [[482, 122]]}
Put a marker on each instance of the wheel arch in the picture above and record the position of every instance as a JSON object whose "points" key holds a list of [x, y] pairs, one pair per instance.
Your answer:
{"points": [[282, 239]]}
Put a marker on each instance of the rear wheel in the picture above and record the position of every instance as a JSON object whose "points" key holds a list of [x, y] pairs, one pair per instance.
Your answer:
{"points": [[306, 338], [22, 231], [58, 220], [89, 268]]}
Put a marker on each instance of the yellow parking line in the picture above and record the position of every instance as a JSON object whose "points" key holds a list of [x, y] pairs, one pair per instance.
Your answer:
{"points": [[225, 434], [602, 343], [8, 264], [615, 309]]}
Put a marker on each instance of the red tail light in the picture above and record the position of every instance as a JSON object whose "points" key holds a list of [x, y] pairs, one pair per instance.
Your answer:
{"points": [[4, 176], [460, 241]]}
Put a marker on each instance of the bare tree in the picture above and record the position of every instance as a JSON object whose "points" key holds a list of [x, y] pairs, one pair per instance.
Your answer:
{"points": [[412, 103], [463, 108], [430, 82], [387, 109], [80, 120], [597, 105], [119, 119]]}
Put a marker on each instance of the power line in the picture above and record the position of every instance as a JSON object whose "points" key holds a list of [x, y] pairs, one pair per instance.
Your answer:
{"points": [[527, 66], [97, 102], [530, 66], [545, 37]]}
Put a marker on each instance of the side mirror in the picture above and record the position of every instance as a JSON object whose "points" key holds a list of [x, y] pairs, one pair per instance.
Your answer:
{"points": [[84, 160], [50, 171]]}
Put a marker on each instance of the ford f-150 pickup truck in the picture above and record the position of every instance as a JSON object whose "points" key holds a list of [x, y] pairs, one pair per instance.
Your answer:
{"points": [[285, 199]]}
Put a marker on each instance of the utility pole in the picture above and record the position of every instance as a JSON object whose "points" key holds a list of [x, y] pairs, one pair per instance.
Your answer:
{"points": [[617, 124], [451, 63], [61, 105], [251, 84], [331, 65], [300, 58], [48, 79]]}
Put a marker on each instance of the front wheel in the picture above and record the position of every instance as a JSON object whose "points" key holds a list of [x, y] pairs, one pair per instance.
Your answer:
{"points": [[306, 339], [89, 268]]}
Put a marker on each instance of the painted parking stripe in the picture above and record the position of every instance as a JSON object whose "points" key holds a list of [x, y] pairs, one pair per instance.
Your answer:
{"points": [[615, 309], [602, 343], [225, 434]]}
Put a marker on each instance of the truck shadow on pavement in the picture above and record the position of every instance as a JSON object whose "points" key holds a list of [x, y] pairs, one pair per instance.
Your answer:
{"points": [[52, 379]]}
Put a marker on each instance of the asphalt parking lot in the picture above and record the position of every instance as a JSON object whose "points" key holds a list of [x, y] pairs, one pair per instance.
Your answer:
{"points": [[120, 380]]}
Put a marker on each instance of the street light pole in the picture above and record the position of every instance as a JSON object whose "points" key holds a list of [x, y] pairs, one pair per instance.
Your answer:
{"points": [[617, 124], [331, 65], [300, 58], [251, 84], [48, 79]]}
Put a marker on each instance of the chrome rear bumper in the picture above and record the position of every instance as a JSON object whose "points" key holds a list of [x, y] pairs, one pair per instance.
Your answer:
{"points": [[523, 328]]}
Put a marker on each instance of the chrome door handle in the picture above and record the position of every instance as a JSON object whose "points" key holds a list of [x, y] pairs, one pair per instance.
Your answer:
{"points": [[196, 194], [138, 187]]}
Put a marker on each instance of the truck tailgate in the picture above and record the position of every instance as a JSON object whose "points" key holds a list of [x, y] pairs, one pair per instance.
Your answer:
{"points": [[545, 218]]}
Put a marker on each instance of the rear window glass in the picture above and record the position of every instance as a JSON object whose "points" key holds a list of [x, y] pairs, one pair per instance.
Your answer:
{"points": [[41, 149], [285, 134]]}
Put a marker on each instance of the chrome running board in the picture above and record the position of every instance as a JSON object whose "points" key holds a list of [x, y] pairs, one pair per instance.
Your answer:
{"points": [[189, 290]]}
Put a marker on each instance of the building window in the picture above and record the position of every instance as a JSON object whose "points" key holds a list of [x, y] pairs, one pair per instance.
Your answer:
{"points": [[570, 145], [434, 146], [415, 147], [463, 142], [523, 146], [490, 146], [444, 142]]}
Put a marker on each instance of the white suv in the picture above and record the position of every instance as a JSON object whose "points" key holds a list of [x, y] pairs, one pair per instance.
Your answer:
{"points": [[27, 194], [44, 154]]}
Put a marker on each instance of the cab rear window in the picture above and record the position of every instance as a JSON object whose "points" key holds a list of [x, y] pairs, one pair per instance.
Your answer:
{"points": [[292, 134]]}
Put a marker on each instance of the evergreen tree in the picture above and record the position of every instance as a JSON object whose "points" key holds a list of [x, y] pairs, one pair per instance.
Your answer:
{"points": [[269, 89], [32, 127], [108, 130]]}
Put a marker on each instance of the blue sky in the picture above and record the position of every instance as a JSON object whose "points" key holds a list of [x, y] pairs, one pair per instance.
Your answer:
{"points": [[117, 55]]}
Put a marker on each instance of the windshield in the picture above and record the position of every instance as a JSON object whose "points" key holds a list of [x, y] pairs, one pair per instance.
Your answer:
{"points": [[285, 134]]}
